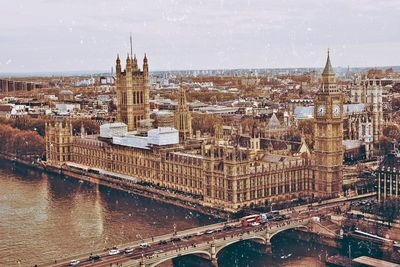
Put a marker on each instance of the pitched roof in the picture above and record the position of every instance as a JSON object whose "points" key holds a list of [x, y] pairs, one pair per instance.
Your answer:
{"points": [[274, 122], [328, 70]]}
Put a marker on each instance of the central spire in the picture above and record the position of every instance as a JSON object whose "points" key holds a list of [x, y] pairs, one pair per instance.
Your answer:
{"points": [[131, 45], [328, 70]]}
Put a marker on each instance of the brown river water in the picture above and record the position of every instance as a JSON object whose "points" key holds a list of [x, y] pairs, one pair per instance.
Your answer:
{"points": [[46, 217]]}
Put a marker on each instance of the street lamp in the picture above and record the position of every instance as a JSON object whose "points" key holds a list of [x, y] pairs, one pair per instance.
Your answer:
{"points": [[272, 206], [105, 242], [140, 237]]}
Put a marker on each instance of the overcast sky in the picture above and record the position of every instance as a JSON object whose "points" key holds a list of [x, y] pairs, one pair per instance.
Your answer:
{"points": [[67, 35]]}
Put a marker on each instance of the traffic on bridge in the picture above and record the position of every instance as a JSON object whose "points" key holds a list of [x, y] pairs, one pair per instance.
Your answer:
{"points": [[178, 244], [205, 241]]}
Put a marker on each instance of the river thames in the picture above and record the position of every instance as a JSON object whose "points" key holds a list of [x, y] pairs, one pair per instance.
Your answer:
{"points": [[46, 217]]}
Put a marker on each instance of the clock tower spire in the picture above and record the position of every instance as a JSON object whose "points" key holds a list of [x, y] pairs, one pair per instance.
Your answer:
{"points": [[328, 114]]}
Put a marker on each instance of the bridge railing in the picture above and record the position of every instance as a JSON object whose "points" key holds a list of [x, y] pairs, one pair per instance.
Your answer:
{"points": [[136, 243], [182, 233], [159, 257], [205, 246]]}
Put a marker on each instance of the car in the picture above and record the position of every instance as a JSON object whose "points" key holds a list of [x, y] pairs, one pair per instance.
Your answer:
{"points": [[199, 233], [74, 262], [144, 245], [279, 218], [227, 227], [209, 232], [94, 257], [128, 250], [162, 242], [176, 239], [255, 224], [113, 252]]}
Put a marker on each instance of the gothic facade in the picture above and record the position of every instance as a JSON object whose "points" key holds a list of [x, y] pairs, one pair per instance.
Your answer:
{"points": [[365, 116], [132, 87], [218, 173], [328, 114], [183, 119]]}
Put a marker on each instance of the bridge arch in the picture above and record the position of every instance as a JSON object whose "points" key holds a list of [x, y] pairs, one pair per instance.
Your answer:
{"points": [[197, 252], [260, 238], [285, 229]]}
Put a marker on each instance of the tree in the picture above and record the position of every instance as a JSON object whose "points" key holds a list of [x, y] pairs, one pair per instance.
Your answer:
{"points": [[205, 122], [28, 144], [27, 123], [91, 127], [6, 135], [20, 143], [389, 210], [306, 127], [396, 103], [385, 144], [112, 107], [392, 131]]}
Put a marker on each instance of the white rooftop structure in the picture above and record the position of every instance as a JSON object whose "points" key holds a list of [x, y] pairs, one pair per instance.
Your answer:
{"points": [[351, 144], [215, 109], [160, 137], [354, 108], [163, 136], [302, 113], [109, 130]]}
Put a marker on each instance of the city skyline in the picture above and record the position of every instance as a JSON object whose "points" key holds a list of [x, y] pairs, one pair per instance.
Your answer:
{"points": [[59, 36]]}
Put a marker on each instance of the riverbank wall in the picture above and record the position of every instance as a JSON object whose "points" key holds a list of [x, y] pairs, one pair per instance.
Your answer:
{"points": [[133, 188]]}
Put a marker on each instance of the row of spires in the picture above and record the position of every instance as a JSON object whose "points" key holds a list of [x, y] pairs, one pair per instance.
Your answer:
{"points": [[131, 64], [131, 61]]}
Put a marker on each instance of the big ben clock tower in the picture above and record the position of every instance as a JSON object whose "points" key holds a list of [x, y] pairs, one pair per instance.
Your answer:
{"points": [[328, 114]]}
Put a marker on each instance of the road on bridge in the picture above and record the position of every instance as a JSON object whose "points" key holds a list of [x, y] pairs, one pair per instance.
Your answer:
{"points": [[180, 244], [184, 241]]}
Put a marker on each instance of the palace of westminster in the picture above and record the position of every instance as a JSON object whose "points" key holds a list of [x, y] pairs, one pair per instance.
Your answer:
{"points": [[219, 170]]}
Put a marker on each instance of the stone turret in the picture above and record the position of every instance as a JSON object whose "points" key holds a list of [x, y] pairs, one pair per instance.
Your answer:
{"points": [[183, 118], [255, 139], [59, 140], [133, 92]]}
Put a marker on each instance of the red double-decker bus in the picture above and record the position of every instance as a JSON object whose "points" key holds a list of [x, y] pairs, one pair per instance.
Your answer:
{"points": [[247, 220]]}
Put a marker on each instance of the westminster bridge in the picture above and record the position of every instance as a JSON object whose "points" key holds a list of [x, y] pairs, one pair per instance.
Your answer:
{"points": [[206, 242]]}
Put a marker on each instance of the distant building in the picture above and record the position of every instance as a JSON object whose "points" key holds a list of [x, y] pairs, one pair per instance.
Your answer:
{"points": [[5, 110], [66, 95], [163, 118], [388, 175]]}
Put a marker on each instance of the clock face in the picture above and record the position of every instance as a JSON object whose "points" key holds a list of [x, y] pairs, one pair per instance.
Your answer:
{"points": [[336, 110], [321, 110]]}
